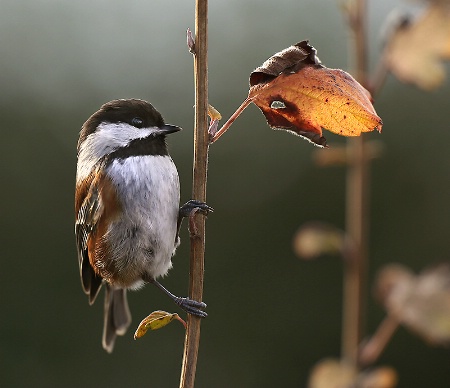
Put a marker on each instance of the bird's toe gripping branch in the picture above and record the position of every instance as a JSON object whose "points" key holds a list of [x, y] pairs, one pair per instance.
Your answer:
{"points": [[191, 205], [190, 306], [189, 209]]}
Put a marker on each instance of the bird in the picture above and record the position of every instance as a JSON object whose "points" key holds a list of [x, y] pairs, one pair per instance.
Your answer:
{"points": [[127, 208]]}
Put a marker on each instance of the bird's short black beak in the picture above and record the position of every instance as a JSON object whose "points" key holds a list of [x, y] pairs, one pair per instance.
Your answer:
{"points": [[168, 129]]}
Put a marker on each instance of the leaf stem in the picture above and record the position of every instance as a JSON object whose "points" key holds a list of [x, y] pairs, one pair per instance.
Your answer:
{"points": [[200, 168], [230, 121]]}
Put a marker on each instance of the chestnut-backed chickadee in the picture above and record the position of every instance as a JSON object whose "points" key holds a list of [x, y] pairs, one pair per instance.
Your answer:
{"points": [[127, 208]]}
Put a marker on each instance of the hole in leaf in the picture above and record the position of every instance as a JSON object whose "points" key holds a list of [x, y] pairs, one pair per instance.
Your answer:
{"points": [[277, 104]]}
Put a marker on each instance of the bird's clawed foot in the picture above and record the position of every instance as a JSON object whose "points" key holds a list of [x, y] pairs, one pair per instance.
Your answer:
{"points": [[192, 205], [191, 306], [189, 209]]}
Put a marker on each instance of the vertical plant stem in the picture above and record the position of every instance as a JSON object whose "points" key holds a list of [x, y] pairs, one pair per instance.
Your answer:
{"points": [[200, 167], [356, 209], [355, 268]]}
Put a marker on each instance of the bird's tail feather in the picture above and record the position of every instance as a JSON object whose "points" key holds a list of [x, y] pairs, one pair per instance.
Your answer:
{"points": [[117, 316]]}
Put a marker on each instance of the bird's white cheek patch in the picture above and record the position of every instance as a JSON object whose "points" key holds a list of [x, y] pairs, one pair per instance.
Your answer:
{"points": [[107, 138]]}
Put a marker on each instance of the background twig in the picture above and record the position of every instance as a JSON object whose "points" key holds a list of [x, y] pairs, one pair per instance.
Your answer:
{"points": [[200, 167], [371, 349], [356, 205]]}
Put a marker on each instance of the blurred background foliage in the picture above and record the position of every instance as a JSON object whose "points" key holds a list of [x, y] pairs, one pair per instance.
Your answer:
{"points": [[271, 316]]}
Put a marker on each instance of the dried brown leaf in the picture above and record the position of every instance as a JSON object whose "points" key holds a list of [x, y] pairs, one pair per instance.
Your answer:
{"points": [[416, 49], [334, 373], [421, 303], [317, 238], [382, 377]]}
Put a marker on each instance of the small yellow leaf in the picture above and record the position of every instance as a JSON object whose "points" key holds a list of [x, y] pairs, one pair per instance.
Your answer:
{"points": [[214, 113], [156, 320]]}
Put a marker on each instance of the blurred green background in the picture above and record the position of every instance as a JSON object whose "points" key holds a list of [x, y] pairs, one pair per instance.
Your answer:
{"points": [[271, 316]]}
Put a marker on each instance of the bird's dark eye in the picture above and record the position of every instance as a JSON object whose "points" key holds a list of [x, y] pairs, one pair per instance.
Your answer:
{"points": [[137, 122]]}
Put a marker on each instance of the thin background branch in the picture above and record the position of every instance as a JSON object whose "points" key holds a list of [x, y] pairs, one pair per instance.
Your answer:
{"points": [[356, 204]]}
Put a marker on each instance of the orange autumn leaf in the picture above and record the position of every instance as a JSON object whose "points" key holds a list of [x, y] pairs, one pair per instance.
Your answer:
{"points": [[297, 93]]}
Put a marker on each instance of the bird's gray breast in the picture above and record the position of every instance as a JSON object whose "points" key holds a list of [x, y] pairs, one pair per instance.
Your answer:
{"points": [[149, 194]]}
